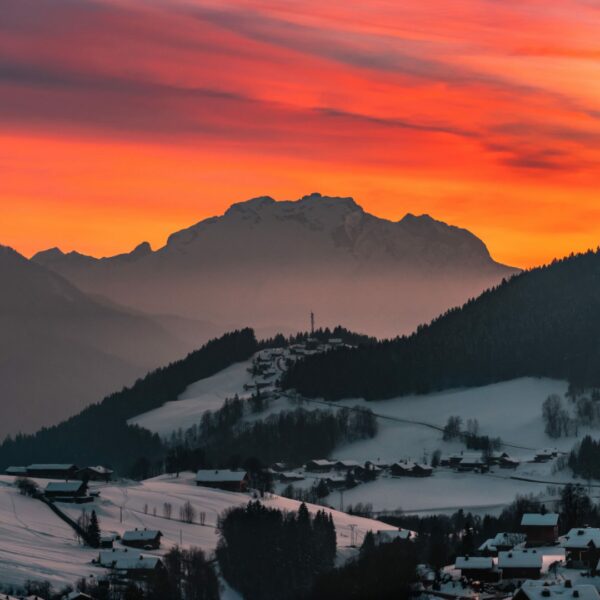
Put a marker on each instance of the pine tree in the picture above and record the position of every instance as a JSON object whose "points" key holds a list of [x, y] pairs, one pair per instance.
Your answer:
{"points": [[93, 531]]}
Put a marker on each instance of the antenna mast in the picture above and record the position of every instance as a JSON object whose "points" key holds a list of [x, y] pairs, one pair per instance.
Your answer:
{"points": [[312, 323]]}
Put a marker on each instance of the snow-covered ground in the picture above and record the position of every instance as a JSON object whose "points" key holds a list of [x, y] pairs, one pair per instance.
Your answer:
{"points": [[511, 410], [35, 543], [206, 394]]}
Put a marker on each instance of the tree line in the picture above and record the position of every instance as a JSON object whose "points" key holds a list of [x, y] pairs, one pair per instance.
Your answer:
{"points": [[540, 323]]}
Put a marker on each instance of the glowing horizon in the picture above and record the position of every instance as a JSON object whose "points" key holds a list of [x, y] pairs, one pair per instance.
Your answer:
{"points": [[124, 121]]}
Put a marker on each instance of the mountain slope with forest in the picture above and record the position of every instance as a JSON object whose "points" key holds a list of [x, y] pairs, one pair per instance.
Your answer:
{"points": [[541, 323], [266, 264]]}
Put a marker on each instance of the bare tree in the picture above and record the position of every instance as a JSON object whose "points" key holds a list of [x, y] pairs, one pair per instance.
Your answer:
{"points": [[187, 513], [167, 510]]}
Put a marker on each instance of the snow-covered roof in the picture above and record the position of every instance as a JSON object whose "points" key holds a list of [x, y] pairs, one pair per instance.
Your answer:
{"points": [[540, 590], [219, 475], [50, 467], [141, 535], [539, 520], [322, 462], [528, 559], [130, 563], [503, 539], [581, 537], [77, 596], [99, 469], [16, 470], [107, 557], [348, 463], [387, 535], [474, 562], [64, 486]]}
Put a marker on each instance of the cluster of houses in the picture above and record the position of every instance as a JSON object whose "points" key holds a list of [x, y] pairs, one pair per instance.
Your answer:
{"points": [[519, 556], [61, 471]]}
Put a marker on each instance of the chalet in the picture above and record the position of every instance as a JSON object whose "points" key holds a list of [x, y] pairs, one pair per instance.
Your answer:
{"points": [[507, 462], [52, 471], [279, 467], [321, 465], [98, 473], [107, 558], [368, 472], [520, 564], [142, 538], [543, 590], [472, 462], [335, 342], [223, 479], [386, 536], [410, 469], [501, 543], [65, 491], [16, 471], [140, 567], [422, 470], [346, 465], [107, 540], [477, 568], [540, 529], [542, 456], [582, 547], [335, 481]]}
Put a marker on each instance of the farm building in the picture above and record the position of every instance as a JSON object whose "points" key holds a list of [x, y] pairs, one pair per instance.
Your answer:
{"points": [[223, 479], [477, 568], [538, 590], [545, 455], [288, 476], [385, 536], [321, 465], [501, 543], [52, 471], [540, 529], [65, 490], [582, 547], [506, 462], [520, 564], [98, 473], [410, 469], [16, 471], [140, 567], [472, 462], [346, 465], [142, 538]]}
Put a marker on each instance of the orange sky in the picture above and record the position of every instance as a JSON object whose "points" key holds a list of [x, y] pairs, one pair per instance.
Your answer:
{"points": [[125, 121]]}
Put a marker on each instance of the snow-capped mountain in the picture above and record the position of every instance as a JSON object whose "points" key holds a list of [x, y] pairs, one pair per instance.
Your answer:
{"points": [[267, 264]]}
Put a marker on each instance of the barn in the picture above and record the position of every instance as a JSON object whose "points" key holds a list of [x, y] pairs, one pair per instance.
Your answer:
{"points": [[223, 479], [142, 538]]}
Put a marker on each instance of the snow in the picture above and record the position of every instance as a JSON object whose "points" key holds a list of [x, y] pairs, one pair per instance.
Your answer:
{"points": [[203, 395], [473, 562], [520, 559], [222, 475], [581, 538], [35, 543], [542, 590], [538, 520]]}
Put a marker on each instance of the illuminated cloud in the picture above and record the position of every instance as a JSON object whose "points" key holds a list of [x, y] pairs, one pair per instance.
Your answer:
{"points": [[477, 111]]}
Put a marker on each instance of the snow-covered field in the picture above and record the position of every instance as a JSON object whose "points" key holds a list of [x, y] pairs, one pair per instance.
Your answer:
{"points": [[206, 394], [35, 543], [510, 410]]}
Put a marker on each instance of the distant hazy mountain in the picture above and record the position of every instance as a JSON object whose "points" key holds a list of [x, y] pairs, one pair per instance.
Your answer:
{"points": [[267, 264], [61, 349]]}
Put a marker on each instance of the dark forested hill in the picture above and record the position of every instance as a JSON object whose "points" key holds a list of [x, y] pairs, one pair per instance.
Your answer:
{"points": [[100, 434], [545, 322]]}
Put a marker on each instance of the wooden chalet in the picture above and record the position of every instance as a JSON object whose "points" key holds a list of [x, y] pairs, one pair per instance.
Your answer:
{"points": [[139, 568], [52, 471], [582, 547], [346, 465], [142, 538], [520, 564], [501, 543], [223, 479], [410, 469], [97, 473], [477, 568], [321, 465], [541, 530], [65, 491]]}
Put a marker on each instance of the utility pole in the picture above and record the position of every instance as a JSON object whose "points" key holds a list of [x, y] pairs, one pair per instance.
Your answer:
{"points": [[341, 500], [120, 514]]}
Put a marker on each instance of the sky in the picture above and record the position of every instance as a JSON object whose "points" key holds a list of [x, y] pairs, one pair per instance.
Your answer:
{"points": [[123, 121]]}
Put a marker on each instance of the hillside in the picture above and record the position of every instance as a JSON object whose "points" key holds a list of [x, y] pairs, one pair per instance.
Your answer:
{"points": [[541, 323], [60, 349], [266, 264], [100, 434]]}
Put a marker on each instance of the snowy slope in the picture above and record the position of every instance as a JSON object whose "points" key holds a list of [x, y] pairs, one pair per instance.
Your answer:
{"points": [[206, 394], [34, 543]]}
